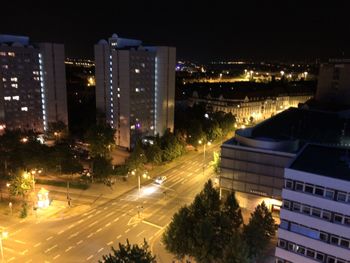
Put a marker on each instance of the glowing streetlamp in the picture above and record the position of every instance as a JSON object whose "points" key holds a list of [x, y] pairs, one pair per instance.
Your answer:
{"points": [[204, 145]]}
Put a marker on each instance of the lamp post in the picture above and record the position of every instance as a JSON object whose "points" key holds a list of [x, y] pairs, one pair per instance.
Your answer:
{"points": [[3, 235], [204, 146]]}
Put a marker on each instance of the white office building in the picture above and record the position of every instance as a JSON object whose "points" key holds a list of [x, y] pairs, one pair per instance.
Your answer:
{"points": [[135, 88], [315, 217], [32, 84]]}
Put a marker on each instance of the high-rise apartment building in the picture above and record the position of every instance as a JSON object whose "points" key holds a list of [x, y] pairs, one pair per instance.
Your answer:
{"points": [[315, 217], [334, 82], [135, 87], [32, 84]]}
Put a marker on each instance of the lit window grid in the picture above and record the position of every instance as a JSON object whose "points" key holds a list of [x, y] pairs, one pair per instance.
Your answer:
{"points": [[155, 92], [42, 92], [111, 88]]}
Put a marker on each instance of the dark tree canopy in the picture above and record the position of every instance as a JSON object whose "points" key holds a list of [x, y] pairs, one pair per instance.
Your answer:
{"points": [[130, 254]]}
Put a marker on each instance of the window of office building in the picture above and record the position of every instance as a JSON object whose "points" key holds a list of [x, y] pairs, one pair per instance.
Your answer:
{"points": [[341, 196], [309, 188], [299, 186], [289, 184], [319, 191], [329, 194]]}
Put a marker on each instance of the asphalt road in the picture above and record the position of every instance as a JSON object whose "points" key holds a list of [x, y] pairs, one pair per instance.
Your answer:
{"points": [[133, 216]]}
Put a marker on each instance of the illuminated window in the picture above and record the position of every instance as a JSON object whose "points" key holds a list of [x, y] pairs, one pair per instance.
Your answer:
{"points": [[3, 54], [5, 66], [137, 70], [7, 98], [3, 79], [137, 90], [14, 85], [15, 97], [14, 79], [11, 54], [118, 95], [24, 109]]}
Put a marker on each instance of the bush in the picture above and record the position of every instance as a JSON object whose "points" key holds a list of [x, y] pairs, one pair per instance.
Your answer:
{"points": [[73, 184]]}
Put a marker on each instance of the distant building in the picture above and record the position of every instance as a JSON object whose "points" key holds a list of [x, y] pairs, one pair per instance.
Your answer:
{"points": [[135, 88], [254, 108], [315, 217], [334, 82], [32, 84]]}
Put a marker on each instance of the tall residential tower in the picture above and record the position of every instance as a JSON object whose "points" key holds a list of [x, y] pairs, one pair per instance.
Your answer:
{"points": [[135, 88], [32, 84]]}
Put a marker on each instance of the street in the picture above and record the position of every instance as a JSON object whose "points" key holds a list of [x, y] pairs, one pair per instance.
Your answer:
{"points": [[134, 216]]}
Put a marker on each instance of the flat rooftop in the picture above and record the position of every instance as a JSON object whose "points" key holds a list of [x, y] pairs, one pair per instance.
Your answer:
{"points": [[302, 124], [324, 160]]}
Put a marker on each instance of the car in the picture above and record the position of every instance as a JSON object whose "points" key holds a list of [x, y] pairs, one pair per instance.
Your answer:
{"points": [[160, 179]]}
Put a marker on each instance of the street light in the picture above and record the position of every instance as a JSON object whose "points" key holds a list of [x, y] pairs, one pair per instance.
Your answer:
{"points": [[204, 145], [3, 235]]}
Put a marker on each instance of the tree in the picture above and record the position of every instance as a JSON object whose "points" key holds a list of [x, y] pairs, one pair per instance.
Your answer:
{"points": [[102, 168], [178, 236], [21, 183], [154, 154], [130, 254], [233, 212], [216, 162], [260, 229], [57, 130], [137, 158], [236, 250], [100, 139]]}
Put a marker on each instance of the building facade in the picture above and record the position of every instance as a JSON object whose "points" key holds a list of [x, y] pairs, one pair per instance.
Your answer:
{"points": [[253, 108], [135, 88], [315, 217], [32, 84]]}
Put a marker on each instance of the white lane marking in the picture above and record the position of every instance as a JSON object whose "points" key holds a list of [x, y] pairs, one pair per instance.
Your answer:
{"points": [[160, 218], [94, 223], [115, 220], [114, 203], [131, 210], [47, 239], [108, 224], [98, 230], [124, 205], [124, 214], [9, 249], [19, 241], [151, 238], [24, 252], [100, 250], [111, 213], [49, 249], [80, 221], [98, 212], [105, 208], [59, 233], [73, 235], [9, 260], [139, 234], [79, 242], [68, 249], [57, 256], [37, 244], [109, 243], [189, 174], [119, 236], [72, 225], [126, 231], [89, 257], [90, 216], [90, 235], [91, 211]]}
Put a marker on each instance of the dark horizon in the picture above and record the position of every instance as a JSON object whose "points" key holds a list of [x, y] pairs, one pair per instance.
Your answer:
{"points": [[201, 32]]}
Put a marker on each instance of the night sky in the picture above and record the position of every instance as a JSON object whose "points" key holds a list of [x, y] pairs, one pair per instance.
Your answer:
{"points": [[201, 30]]}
